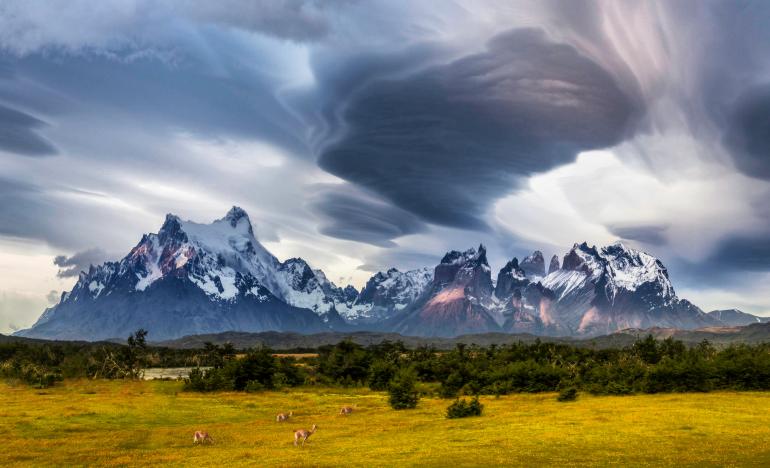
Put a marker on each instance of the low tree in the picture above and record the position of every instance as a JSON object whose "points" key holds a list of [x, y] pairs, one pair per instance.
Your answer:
{"points": [[127, 362], [381, 372], [136, 354], [402, 391]]}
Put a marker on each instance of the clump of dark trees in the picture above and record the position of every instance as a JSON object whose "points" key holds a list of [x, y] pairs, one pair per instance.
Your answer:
{"points": [[648, 366], [43, 363]]}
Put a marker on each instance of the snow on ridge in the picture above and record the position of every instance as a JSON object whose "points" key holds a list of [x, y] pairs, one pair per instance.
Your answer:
{"points": [[565, 281], [624, 268]]}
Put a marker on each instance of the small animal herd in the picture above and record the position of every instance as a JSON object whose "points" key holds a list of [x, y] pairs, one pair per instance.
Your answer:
{"points": [[202, 437]]}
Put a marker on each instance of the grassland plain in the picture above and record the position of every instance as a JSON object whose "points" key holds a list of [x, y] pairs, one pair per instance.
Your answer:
{"points": [[121, 423]]}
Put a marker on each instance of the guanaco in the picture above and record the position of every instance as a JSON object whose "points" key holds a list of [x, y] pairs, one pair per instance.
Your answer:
{"points": [[303, 434], [281, 417], [201, 437], [346, 410]]}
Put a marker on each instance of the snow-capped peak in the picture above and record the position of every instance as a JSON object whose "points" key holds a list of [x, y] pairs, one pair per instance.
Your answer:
{"points": [[220, 257], [534, 265], [621, 268]]}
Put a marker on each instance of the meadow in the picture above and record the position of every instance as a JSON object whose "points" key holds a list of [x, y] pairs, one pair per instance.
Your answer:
{"points": [[132, 423]]}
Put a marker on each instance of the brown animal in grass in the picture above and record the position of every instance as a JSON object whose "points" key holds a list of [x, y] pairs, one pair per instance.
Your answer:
{"points": [[303, 434], [201, 437], [281, 417]]}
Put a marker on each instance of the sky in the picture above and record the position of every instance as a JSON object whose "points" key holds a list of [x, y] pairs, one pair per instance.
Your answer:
{"points": [[365, 134]]}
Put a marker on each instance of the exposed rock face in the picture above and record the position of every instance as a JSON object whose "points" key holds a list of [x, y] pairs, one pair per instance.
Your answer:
{"points": [[554, 264], [387, 293], [601, 291], [457, 302], [534, 265], [510, 278]]}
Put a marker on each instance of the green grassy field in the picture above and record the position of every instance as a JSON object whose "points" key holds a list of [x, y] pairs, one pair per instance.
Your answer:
{"points": [[151, 423]]}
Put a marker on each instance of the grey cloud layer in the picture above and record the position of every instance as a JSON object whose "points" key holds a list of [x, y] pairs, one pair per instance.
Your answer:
{"points": [[17, 134], [351, 214], [749, 132], [445, 142]]}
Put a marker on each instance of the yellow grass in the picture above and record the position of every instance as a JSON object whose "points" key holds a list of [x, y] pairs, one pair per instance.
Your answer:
{"points": [[152, 423]]}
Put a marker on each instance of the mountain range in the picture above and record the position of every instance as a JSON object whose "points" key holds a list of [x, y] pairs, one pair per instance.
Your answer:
{"points": [[191, 278]]}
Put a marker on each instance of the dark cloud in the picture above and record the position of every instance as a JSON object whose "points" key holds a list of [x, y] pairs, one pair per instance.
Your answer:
{"points": [[647, 234], [744, 253], [348, 213], [445, 142], [70, 266], [748, 132], [17, 134]]}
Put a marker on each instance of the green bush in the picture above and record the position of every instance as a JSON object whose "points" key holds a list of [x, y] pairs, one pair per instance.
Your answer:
{"points": [[463, 408], [402, 390], [568, 394], [380, 374], [210, 380]]}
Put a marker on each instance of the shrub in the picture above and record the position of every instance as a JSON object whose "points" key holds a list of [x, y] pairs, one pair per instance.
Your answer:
{"points": [[380, 374], [210, 380], [463, 408], [568, 394], [452, 385], [403, 394], [258, 365]]}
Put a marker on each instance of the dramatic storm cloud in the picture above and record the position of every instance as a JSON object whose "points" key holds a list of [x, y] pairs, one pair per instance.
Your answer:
{"points": [[365, 135], [444, 142]]}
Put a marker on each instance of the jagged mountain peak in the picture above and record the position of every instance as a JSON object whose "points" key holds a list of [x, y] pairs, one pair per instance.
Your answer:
{"points": [[534, 265], [455, 257], [509, 278], [220, 277], [554, 265], [238, 215]]}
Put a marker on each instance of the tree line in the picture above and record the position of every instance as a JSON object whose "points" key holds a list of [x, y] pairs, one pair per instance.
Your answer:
{"points": [[647, 366]]}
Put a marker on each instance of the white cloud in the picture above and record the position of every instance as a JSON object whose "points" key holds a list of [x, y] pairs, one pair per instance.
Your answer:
{"points": [[580, 201]]}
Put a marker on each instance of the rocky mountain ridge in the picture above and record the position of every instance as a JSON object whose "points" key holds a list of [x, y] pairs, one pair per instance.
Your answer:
{"points": [[193, 278]]}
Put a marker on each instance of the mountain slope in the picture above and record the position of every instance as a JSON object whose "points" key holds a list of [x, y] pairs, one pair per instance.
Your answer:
{"points": [[387, 293], [456, 302], [599, 291], [193, 278], [736, 318]]}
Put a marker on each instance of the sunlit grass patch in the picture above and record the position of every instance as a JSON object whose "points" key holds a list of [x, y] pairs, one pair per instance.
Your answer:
{"points": [[151, 423]]}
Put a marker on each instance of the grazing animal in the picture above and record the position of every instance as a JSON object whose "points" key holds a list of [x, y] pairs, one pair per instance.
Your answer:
{"points": [[281, 417], [303, 434], [346, 410], [201, 437]]}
